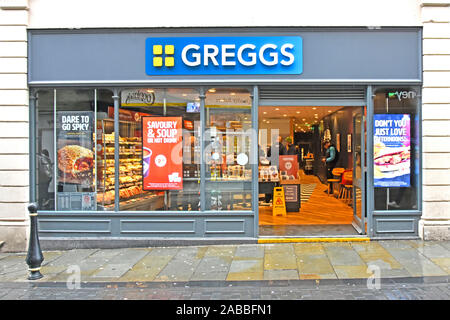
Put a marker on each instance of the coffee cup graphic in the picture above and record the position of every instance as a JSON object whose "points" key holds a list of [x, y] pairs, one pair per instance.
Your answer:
{"points": [[146, 161]]}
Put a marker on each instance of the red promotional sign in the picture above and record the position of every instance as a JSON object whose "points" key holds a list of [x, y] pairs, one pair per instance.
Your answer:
{"points": [[162, 159], [289, 164]]}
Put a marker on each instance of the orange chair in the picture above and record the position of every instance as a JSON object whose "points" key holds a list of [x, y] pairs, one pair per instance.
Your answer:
{"points": [[347, 186], [337, 172]]}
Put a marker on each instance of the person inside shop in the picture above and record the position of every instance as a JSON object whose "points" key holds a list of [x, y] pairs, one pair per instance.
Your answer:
{"points": [[291, 149], [277, 145], [330, 159], [45, 177]]}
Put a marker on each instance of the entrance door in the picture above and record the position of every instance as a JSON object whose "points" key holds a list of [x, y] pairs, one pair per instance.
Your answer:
{"points": [[358, 151]]}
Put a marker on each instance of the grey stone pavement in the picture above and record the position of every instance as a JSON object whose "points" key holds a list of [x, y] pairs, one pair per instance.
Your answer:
{"points": [[375, 270]]}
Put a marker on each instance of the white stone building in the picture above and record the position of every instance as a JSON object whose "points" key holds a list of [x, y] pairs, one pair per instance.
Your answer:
{"points": [[17, 17]]}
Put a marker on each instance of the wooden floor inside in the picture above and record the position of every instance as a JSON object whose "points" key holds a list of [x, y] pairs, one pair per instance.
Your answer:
{"points": [[320, 208]]}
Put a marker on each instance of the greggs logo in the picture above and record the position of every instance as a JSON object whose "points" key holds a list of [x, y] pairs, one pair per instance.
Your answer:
{"points": [[224, 55]]}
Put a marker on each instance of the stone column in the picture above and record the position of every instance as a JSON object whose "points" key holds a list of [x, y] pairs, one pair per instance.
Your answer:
{"points": [[14, 143], [435, 222]]}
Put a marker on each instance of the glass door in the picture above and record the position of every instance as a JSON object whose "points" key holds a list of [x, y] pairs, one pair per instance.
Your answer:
{"points": [[358, 151]]}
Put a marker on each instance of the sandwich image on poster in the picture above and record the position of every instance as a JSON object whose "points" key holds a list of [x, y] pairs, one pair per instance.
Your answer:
{"points": [[75, 156], [392, 150]]}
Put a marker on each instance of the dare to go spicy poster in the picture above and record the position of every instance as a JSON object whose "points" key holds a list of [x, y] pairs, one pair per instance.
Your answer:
{"points": [[162, 158]]}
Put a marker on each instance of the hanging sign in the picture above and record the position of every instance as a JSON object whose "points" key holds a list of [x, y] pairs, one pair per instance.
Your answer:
{"points": [[392, 154], [162, 158]]}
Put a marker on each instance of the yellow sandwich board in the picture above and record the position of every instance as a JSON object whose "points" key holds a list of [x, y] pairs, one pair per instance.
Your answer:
{"points": [[279, 204]]}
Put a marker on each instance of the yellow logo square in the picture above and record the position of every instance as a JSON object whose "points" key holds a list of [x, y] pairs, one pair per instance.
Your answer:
{"points": [[169, 61], [157, 61], [157, 49], [169, 49]]}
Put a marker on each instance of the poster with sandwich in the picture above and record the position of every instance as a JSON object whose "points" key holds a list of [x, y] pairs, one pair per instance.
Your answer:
{"points": [[75, 149], [392, 150]]}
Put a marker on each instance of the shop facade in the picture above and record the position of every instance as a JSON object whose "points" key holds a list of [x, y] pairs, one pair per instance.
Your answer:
{"points": [[91, 92], [226, 76]]}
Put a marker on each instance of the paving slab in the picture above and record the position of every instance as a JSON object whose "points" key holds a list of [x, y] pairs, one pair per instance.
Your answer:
{"points": [[249, 252], [308, 248], [315, 266], [245, 276], [64, 260], [351, 271], [280, 261], [148, 267], [281, 275], [209, 276], [375, 254], [342, 255], [445, 244], [219, 251], [247, 266], [416, 264], [182, 266], [443, 263], [430, 249], [279, 248]]}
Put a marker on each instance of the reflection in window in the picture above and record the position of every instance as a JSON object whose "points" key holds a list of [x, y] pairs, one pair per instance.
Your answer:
{"points": [[45, 161], [227, 149]]}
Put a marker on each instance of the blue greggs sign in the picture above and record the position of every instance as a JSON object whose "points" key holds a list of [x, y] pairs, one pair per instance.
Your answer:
{"points": [[223, 55]]}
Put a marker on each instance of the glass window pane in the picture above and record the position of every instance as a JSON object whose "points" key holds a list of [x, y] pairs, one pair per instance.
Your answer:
{"points": [[45, 148], [228, 140], [396, 148], [168, 158], [105, 158]]}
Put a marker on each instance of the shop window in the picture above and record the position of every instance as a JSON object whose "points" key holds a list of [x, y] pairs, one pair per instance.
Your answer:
{"points": [[45, 148], [159, 150], [67, 167], [396, 148], [228, 140]]}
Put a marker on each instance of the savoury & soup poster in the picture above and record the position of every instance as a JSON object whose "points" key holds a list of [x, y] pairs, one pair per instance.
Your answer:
{"points": [[162, 158]]}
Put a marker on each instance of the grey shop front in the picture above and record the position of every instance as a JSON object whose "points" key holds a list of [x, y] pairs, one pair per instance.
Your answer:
{"points": [[214, 80]]}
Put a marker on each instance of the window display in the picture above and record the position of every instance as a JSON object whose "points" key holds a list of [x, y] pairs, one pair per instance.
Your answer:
{"points": [[161, 152]]}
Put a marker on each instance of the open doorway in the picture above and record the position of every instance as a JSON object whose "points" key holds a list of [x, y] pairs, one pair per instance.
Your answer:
{"points": [[316, 154]]}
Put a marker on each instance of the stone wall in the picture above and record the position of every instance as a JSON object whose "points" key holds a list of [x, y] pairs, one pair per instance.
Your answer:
{"points": [[14, 164], [435, 222]]}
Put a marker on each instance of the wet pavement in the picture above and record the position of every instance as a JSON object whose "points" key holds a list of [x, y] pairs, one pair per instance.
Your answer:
{"points": [[241, 271]]}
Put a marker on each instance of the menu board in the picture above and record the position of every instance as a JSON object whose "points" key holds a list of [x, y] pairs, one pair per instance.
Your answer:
{"points": [[162, 159], [75, 156], [392, 154]]}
